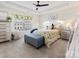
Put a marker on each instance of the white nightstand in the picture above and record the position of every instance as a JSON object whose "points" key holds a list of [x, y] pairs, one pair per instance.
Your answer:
{"points": [[65, 34]]}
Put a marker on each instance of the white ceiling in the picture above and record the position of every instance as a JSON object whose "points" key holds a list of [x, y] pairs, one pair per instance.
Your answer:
{"points": [[29, 5]]}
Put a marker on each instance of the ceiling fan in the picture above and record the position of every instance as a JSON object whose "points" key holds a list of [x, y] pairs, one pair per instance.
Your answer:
{"points": [[40, 5]]}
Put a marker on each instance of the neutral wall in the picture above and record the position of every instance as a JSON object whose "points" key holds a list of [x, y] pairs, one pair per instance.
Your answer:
{"points": [[12, 12], [69, 14], [66, 13]]}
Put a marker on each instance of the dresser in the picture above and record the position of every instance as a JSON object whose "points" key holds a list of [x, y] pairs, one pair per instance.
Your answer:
{"points": [[5, 34]]}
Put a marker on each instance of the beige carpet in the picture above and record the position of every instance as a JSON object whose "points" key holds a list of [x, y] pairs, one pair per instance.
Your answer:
{"points": [[18, 49]]}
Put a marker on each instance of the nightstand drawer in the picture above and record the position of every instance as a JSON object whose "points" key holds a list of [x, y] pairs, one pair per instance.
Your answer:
{"points": [[65, 34]]}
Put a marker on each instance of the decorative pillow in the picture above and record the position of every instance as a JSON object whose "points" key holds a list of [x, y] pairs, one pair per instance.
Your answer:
{"points": [[52, 26]]}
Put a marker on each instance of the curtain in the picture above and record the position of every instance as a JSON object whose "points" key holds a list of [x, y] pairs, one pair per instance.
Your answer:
{"points": [[73, 50]]}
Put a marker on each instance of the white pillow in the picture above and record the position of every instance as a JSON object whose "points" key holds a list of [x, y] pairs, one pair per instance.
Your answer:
{"points": [[60, 26]]}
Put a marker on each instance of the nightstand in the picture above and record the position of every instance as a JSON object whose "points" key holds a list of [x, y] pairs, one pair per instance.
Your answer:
{"points": [[65, 34]]}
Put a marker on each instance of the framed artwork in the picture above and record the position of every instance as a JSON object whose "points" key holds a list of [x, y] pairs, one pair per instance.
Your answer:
{"points": [[52, 17], [20, 17]]}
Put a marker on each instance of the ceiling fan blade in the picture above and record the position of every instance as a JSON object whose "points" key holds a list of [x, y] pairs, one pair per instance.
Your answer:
{"points": [[43, 5], [40, 5], [34, 4]]}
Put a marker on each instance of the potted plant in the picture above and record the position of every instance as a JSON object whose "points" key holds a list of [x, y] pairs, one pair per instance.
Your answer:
{"points": [[8, 18]]}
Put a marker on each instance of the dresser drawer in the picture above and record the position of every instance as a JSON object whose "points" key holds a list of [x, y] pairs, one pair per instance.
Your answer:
{"points": [[5, 31]]}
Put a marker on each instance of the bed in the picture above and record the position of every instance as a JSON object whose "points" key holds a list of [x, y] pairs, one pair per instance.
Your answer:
{"points": [[50, 36]]}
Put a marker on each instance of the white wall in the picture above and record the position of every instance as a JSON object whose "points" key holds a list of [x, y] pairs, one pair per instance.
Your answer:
{"points": [[11, 12], [67, 14]]}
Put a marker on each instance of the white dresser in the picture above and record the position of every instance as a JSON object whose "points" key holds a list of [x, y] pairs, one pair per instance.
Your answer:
{"points": [[5, 34]]}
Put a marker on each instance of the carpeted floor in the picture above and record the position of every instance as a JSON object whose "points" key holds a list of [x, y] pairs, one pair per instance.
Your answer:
{"points": [[18, 49]]}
